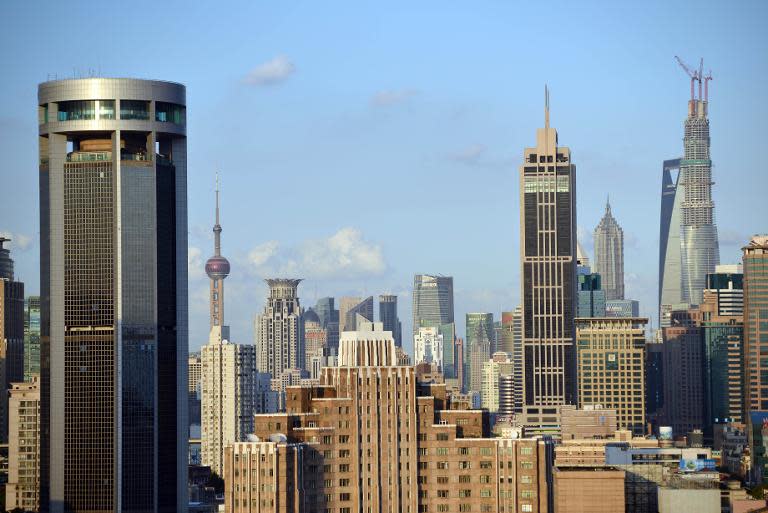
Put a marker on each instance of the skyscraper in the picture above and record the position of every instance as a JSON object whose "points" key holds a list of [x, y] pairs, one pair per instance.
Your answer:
{"points": [[388, 317], [113, 280], [478, 352], [428, 347], [512, 343], [31, 337], [279, 331], [670, 257], [612, 374], [349, 308], [229, 381], [23, 488], [479, 331], [591, 295], [755, 259], [432, 300], [609, 255], [683, 367], [700, 249], [548, 269], [11, 334], [722, 331], [493, 369], [329, 320]]}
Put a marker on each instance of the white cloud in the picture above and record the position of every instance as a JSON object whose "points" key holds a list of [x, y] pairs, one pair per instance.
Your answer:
{"points": [[19, 241], [195, 264], [470, 155], [728, 237], [344, 255], [271, 72], [392, 97], [261, 254]]}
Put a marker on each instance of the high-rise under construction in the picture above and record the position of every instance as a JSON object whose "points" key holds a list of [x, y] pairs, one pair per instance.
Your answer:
{"points": [[699, 245]]}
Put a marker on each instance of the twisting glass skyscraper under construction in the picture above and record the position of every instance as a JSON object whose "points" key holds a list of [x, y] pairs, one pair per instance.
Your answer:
{"points": [[113, 280], [700, 249]]}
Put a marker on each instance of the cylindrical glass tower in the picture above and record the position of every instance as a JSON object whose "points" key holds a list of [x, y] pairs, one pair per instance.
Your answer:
{"points": [[113, 239]]}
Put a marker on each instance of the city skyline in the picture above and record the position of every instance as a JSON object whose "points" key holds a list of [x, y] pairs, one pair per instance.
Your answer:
{"points": [[361, 157], [484, 141]]}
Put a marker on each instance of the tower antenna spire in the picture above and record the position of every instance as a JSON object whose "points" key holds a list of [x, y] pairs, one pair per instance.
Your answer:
{"points": [[217, 226], [546, 106]]}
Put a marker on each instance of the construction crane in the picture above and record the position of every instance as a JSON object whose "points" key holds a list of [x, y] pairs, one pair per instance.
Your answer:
{"points": [[694, 74], [706, 85]]}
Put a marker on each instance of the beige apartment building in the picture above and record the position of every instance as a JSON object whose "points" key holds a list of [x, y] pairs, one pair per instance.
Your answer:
{"points": [[371, 438], [23, 488], [611, 367]]}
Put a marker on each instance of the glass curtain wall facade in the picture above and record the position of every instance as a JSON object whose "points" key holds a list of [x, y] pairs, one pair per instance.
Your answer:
{"points": [[113, 302], [432, 300], [700, 248], [31, 337], [388, 317], [670, 257]]}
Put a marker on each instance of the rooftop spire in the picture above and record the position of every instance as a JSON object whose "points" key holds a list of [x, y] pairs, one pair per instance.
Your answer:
{"points": [[608, 204], [546, 106], [217, 226]]}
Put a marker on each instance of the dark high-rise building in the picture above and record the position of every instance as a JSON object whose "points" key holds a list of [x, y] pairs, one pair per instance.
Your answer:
{"points": [[670, 258], [432, 300], [113, 280], [654, 381], [326, 312], [755, 259], [722, 331], [31, 337], [548, 261], [329, 320], [388, 317], [11, 334], [683, 367], [591, 296]]}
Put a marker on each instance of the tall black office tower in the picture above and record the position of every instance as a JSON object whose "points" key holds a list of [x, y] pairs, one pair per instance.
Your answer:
{"points": [[548, 274], [113, 279]]}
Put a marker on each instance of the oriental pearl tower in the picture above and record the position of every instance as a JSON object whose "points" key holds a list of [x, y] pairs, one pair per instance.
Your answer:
{"points": [[217, 268]]}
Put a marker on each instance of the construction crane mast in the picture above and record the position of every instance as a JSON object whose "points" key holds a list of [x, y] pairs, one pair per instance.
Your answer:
{"points": [[694, 74], [697, 75]]}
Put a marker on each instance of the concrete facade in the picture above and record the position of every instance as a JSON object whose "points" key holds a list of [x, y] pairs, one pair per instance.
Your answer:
{"points": [[23, 487], [373, 439], [611, 367], [589, 490]]}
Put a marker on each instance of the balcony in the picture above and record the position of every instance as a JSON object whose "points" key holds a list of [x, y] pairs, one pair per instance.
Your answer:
{"points": [[89, 156]]}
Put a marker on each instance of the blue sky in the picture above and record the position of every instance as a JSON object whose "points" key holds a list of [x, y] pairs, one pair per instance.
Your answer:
{"points": [[360, 143]]}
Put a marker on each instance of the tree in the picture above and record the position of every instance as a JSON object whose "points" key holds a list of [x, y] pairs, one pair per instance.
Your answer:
{"points": [[216, 482]]}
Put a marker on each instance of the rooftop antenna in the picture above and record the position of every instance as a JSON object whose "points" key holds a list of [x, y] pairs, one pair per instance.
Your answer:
{"points": [[546, 106], [217, 226]]}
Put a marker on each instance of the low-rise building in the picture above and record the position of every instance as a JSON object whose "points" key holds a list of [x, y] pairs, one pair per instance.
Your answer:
{"points": [[589, 490], [697, 492]]}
